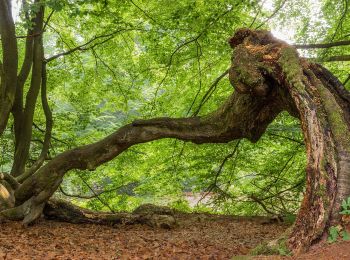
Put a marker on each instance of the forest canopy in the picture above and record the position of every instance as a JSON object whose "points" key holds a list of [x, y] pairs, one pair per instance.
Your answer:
{"points": [[106, 64]]}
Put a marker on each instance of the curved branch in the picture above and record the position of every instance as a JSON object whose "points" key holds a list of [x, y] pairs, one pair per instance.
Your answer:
{"points": [[272, 15], [262, 204], [210, 91], [95, 193], [10, 179], [89, 44], [235, 119]]}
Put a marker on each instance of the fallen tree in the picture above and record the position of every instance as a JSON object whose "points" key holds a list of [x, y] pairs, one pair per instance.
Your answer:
{"points": [[268, 77]]}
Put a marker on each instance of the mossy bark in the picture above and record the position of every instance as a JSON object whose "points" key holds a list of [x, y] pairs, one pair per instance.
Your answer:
{"points": [[323, 106]]}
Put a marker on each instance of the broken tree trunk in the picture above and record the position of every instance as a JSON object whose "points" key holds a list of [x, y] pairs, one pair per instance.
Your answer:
{"points": [[268, 77]]}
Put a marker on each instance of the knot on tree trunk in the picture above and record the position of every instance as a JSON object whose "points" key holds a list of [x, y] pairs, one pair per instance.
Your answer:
{"points": [[254, 67]]}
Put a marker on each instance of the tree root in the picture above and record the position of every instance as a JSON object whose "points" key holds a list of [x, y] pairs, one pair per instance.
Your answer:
{"points": [[64, 211]]}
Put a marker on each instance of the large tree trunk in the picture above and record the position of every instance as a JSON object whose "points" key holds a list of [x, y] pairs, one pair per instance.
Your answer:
{"points": [[268, 77], [323, 106]]}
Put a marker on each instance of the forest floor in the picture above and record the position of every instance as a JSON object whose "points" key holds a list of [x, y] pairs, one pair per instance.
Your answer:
{"points": [[198, 236]]}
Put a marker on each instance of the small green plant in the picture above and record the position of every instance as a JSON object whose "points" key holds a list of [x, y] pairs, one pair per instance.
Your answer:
{"points": [[345, 206], [337, 231], [333, 234], [277, 247]]}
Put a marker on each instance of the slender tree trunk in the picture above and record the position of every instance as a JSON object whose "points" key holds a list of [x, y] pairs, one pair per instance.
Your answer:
{"points": [[23, 143], [10, 63]]}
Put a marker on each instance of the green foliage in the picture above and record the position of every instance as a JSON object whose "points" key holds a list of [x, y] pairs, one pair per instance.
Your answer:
{"points": [[336, 232], [160, 61], [345, 206], [333, 234], [278, 248]]}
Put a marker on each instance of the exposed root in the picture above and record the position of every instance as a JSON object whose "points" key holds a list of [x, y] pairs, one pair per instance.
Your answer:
{"points": [[153, 216]]}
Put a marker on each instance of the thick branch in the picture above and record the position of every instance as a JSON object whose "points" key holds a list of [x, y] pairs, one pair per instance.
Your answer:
{"points": [[235, 119], [321, 45], [12, 181]]}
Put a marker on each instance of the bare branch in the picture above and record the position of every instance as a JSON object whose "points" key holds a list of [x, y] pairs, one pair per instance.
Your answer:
{"points": [[336, 58], [346, 80], [257, 13], [199, 54], [321, 45], [210, 91], [227, 157], [94, 195], [53, 137], [145, 13], [113, 74], [168, 66], [258, 200], [182, 45], [48, 20], [344, 14], [272, 15], [215, 184], [90, 44], [286, 137]]}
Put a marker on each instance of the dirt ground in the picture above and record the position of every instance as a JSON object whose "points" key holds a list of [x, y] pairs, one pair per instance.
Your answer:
{"points": [[197, 237]]}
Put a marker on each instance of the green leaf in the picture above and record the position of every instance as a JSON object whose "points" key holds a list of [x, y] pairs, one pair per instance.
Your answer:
{"points": [[333, 234], [344, 204], [345, 235]]}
